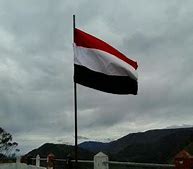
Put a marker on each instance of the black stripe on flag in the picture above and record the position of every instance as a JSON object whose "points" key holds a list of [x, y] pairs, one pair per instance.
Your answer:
{"points": [[107, 83]]}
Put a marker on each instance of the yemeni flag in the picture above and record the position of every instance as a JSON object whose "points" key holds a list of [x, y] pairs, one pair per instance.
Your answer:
{"points": [[100, 66]]}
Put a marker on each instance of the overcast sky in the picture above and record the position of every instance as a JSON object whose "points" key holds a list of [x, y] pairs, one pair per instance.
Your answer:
{"points": [[36, 68]]}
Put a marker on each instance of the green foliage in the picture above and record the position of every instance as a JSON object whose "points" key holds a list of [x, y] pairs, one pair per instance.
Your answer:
{"points": [[6, 143]]}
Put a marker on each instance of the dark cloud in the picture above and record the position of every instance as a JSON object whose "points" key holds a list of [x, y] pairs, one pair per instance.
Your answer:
{"points": [[36, 67], [83, 138], [180, 126]]}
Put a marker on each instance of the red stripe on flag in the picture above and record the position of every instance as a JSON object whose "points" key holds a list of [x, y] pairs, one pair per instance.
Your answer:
{"points": [[84, 39]]}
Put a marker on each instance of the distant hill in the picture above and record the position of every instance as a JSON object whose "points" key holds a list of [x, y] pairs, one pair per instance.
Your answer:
{"points": [[60, 151], [96, 147], [153, 146], [159, 146], [161, 150]]}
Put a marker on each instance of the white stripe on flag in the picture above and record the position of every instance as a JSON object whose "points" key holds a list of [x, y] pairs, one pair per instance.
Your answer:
{"points": [[103, 62]]}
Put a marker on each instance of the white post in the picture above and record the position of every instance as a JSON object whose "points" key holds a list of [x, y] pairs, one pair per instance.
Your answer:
{"points": [[18, 162], [101, 161], [18, 159], [38, 160]]}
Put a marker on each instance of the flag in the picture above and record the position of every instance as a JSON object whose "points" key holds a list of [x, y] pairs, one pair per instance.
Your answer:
{"points": [[100, 66]]}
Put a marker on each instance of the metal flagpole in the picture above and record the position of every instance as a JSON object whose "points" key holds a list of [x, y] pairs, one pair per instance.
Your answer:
{"points": [[75, 109]]}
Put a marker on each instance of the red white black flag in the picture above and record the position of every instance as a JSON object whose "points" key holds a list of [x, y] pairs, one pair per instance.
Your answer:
{"points": [[100, 66]]}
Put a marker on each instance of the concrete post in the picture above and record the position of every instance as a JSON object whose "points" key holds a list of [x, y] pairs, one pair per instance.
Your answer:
{"points": [[38, 160], [101, 161], [18, 159], [18, 162], [50, 161], [183, 160]]}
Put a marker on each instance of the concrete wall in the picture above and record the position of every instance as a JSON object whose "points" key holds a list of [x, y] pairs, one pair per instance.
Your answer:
{"points": [[18, 166]]}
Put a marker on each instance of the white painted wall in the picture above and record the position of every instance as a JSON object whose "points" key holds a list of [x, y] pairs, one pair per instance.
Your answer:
{"points": [[18, 166], [101, 161]]}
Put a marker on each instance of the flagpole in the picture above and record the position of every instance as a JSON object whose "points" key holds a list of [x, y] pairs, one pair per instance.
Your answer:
{"points": [[75, 109]]}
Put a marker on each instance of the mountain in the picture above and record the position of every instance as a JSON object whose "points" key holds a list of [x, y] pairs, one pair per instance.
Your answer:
{"points": [[159, 146], [161, 150], [60, 151], [153, 146], [95, 147], [130, 139]]}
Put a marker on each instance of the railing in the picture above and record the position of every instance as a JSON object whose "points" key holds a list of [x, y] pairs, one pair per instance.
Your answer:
{"points": [[183, 160], [133, 165], [142, 164], [62, 163], [101, 162], [19, 165]]}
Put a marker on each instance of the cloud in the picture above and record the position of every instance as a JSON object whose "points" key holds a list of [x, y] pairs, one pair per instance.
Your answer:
{"points": [[83, 138], [180, 126], [36, 69]]}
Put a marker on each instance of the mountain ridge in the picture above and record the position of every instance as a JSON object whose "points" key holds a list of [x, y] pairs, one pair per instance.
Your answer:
{"points": [[154, 146]]}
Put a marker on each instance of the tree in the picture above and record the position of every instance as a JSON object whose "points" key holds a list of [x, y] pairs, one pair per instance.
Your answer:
{"points": [[6, 143]]}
